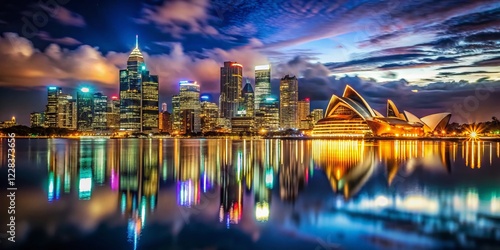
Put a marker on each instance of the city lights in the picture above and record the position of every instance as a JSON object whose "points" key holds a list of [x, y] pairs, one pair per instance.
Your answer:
{"points": [[85, 90]]}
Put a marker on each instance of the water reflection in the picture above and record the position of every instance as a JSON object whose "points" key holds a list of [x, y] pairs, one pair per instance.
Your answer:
{"points": [[426, 184]]}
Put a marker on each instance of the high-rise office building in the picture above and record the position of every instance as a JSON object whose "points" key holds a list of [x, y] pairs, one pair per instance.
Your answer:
{"points": [[51, 112], [189, 99], [176, 114], [303, 111], [209, 115], [113, 114], [37, 119], [231, 79], [138, 95], [268, 115], [247, 104], [99, 112], [150, 103], [289, 95], [66, 112], [84, 104], [262, 84], [165, 120]]}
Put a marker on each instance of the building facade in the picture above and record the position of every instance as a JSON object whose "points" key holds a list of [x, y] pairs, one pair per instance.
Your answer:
{"points": [[247, 104], [262, 84], [84, 103], [113, 114], [209, 115], [231, 79], [51, 112], [37, 119], [150, 102], [303, 112], [189, 99], [289, 95], [99, 112], [352, 116]]}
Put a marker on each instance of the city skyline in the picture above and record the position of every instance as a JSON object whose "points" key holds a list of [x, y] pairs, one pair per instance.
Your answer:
{"points": [[446, 54]]}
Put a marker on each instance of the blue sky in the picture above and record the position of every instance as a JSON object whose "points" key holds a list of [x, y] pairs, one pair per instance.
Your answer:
{"points": [[427, 56]]}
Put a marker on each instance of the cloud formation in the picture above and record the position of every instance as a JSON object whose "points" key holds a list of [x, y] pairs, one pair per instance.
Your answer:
{"points": [[64, 16]]}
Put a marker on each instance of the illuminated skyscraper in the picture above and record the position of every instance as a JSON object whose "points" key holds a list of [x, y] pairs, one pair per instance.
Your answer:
{"points": [[138, 95], [262, 84], [84, 103], [268, 116], [289, 95], [66, 112], [247, 104], [113, 113], [176, 113], [37, 119], [149, 102], [189, 96], [231, 79], [99, 108], [51, 113], [303, 110], [209, 115]]}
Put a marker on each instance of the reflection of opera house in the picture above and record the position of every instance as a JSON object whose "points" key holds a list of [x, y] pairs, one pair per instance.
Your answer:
{"points": [[351, 116]]}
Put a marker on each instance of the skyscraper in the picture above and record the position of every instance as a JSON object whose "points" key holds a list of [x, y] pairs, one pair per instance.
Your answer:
{"points": [[149, 102], [189, 99], [231, 79], [138, 95], [37, 119], [51, 112], [289, 95], [209, 115], [113, 113], [84, 103], [66, 112], [303, 110], [317, 114], [248, 99], [262, 84], [99, 108], [176, 113]]}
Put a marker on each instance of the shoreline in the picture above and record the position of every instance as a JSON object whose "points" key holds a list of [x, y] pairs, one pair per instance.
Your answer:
{"points": [[374, 138]]}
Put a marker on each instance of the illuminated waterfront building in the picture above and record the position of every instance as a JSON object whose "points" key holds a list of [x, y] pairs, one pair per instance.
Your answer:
{"points": [[84, 103], [99, 109], [150, 101], [303, 110], [262, 84], [316, 114], [138, 95], [242, 124], [231, 79], [51, 112], [351, 116], [176, 113], [289, 95], [66, 112], [209, 116], [9, 123], [189, 106], [113, 114], [247, 103], [37, 119], [267, 117], [165, 120]]}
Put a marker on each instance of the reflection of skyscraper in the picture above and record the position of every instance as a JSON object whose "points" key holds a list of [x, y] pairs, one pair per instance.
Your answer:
{"points": [[262, 84], [85, 172], [231, 79], [231, 196], [84, 103], [289, 95]]}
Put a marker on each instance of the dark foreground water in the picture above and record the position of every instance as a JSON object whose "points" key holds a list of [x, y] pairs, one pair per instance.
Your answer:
{"points": [[253, 194]]}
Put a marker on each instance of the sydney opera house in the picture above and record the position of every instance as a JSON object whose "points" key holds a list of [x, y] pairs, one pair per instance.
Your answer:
{"points": [[351, 116]]}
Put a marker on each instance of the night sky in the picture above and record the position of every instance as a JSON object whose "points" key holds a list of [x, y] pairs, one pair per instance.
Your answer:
{"points": [[426, 55]]}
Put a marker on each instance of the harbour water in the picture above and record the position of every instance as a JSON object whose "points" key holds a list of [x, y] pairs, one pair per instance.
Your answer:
{"points": [[254, 194]]}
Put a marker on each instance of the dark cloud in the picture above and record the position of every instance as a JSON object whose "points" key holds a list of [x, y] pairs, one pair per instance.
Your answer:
{"points": [[465, 73]]}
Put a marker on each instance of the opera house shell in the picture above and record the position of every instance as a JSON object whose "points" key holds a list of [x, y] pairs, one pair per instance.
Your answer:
{"points": [[351, 116]]}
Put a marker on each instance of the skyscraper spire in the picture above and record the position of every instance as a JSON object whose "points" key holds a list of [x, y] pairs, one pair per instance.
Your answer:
{"points": [[136, 41]]}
